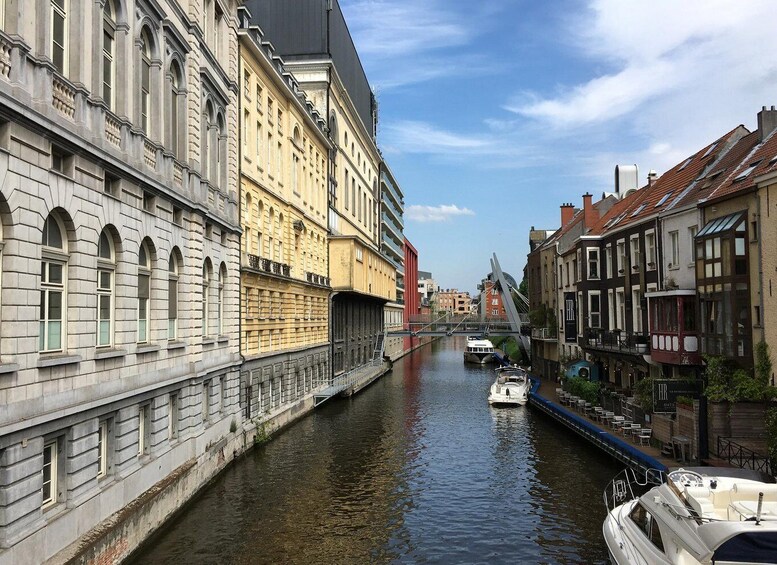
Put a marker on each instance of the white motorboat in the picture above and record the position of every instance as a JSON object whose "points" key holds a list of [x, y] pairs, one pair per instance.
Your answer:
{"points": [[478, 350], [705, 516], [511, 387]]}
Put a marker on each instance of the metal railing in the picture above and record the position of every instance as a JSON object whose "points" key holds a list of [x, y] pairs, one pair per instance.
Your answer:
{"points": [[616, 340], [744, 458], [544, 333]]}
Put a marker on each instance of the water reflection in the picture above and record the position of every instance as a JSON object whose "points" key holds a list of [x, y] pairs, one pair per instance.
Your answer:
{"points": [[416, 469]]}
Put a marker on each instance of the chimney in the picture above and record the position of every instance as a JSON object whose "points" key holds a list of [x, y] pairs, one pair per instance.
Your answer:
{"points": [[767, 122], [652, 176], [590, 214], [567, 212]]}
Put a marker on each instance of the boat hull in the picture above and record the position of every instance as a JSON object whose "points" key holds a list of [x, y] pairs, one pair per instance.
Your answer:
{"points": [[481, 358], [500, 395]]}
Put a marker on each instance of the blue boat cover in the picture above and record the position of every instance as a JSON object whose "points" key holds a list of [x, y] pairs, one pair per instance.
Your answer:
{"points": [[750, 547]]}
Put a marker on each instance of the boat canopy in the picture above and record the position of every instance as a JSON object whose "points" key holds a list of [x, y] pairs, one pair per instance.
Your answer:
{"points": [[748, 547]]}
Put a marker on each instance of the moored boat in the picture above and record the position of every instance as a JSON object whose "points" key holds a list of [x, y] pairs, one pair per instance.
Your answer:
{"points": [[479, 350], [511, 387], [689, 518]]}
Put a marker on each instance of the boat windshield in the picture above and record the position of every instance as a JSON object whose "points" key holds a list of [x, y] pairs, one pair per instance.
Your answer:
{"points": [[748, 547]]}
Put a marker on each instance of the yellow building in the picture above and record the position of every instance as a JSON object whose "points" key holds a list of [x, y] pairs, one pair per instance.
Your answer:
{"points": [[284, 266]]}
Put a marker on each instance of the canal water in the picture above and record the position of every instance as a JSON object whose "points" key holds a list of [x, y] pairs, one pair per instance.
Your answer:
{"points": [[415, 469]]}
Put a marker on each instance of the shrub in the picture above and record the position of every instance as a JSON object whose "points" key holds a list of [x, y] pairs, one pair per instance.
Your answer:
{"points": [[589, 391], [771, 435], [643, 393]]}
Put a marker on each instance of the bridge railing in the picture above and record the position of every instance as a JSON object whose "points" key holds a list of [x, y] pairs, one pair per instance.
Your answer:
{"points": [[743, 457]]}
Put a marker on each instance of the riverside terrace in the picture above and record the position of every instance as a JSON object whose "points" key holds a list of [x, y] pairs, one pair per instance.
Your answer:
{"points": [[614, 433]]}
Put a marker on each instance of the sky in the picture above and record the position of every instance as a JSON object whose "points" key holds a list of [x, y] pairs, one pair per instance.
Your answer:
{"points": [[492, 113]]}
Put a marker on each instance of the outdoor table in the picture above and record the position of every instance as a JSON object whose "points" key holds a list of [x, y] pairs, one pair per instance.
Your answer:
{"points": [[681, 442]]}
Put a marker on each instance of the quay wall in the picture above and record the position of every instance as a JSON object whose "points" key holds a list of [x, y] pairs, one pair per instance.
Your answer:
{"points": [[611, 445]]}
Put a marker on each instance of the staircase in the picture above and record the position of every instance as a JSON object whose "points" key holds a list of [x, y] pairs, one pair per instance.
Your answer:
{"points": [[380, 343]]}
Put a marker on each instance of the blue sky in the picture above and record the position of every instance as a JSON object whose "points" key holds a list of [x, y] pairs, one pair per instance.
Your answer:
{"points": [[494, 112]]}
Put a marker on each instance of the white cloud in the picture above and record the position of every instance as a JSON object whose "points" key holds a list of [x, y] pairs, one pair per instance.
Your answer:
{"points": [[412, 136], [396, 28], [441, 213], [660, 50]]}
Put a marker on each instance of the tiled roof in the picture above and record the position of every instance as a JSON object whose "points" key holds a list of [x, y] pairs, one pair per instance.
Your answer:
{"points": [[719, 172], [760, 160], [659, 195]]}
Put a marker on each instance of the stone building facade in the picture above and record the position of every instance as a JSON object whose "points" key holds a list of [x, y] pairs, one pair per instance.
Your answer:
{"points": [[284, 260], [119, 268]]}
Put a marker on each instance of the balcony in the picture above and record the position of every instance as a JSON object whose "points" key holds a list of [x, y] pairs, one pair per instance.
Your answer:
{"points": [[615, 341], [268, 266], [674, 336], [544, 334], [314, 278]]}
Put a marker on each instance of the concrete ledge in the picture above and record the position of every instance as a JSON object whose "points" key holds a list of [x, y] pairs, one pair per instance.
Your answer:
{"points": [[146, 348], [57, 359], [109, 353], [176, 345], [8, 368]]}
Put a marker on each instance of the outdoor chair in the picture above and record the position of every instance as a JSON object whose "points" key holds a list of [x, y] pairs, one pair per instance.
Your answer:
{"points": [[645, 434]]}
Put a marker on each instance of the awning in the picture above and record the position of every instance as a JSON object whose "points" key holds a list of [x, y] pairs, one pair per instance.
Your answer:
{"points": [[719, 225]]}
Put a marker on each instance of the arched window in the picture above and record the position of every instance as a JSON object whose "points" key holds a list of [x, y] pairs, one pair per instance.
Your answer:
{"points": [[53, 286], [222, 280], [59, 42], [206, 299], [145, 80], [106, 269], [177, 106], [279, 255], [109, 43], [144, 291], [259, 220], [172, 297], [207, 145], [221, 148]]}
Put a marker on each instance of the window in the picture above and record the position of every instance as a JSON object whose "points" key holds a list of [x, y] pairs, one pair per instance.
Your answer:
{"points": [[144, 291], [621, 251], [50, 473], [172, 298], [494, 302], [258, 151], [594, 309], [61, 161], [674, 246], [593, 263], [608, 260], [145, 81], [692, 240], [144, 429], [172, 416], [620, 308], [222, 278], [246, 117], [52, 288], [177, 106], [106, 268], [110, 185], [205, 401], [109, 32], [636, 308], [635, 258], [104, 432], [59, 34], [149, 202], [177, 216], [205, 299], [650, 250], [645, 521]]}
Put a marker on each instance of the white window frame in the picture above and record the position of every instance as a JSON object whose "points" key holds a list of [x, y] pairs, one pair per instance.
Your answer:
{"points": [[650, 250], [144, 424], [608, 259], [108, 54], [634, 252], [144, 302], [205, 402], [692, 231], [172, 416], [674, 249], [611, 312], [620, 309], [620, 251], [145, 81], [593, 261], [172, 298], [106, 273], [220, 309], [59, 8], [52, 256], [52, 447], [103, 438], [205, 300], [636, 310], [578, 265]]}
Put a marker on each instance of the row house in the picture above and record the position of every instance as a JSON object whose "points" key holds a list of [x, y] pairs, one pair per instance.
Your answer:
{"points": [[284, 258], [671, 271], [119, 261], [325, 64]]}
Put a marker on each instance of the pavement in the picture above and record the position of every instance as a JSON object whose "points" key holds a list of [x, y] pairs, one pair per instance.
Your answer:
{"points": [[547, 390]]}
